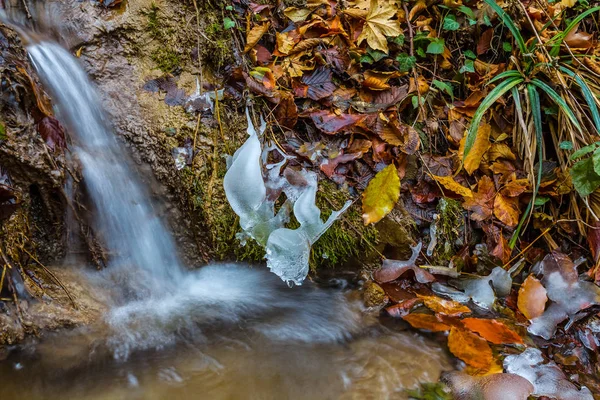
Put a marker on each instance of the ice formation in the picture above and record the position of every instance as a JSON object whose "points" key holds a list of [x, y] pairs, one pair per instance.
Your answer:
{"points": [[567, 293], [547, 378], [483, 290], [253, 200]]}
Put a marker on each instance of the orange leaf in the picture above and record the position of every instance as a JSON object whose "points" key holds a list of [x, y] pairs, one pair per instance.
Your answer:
{"points": [[532, 298], [506, 209], [255, 34], [426, 321], [376, 80], [493, 331], [480, 204], [470, 348], [447, 307]]}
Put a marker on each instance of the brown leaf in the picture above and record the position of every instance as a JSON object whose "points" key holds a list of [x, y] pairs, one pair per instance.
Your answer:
{"points": [[470, 348], [402, 309], [442, 306], [426, 321], [485, 41], [316, 86], [330, 123], [286, 112], [397, 134], [376, 80], [52, 132], [532, 298], [255, 34], [506, 209], [579, 40], [492, 330], [481, 203]]}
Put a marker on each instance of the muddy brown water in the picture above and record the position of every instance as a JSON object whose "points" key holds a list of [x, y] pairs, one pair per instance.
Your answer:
{"points": [[379, 365]]}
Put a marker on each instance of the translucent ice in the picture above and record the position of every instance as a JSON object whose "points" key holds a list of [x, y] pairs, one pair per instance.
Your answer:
{"points": [[547, 378], [288, 250], [253, 200], [483, 290]]}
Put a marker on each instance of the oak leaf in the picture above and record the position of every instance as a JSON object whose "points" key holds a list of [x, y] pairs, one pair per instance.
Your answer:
{"points": [[381, 195], [379, 24], [492, 330], [470, 348], [532, 298]]}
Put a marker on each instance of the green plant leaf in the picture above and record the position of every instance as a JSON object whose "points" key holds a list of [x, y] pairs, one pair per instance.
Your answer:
{"points": [[445, 87], [228, 23], [505, 74], [470, 54], [487, 102], [506, 46], [468, 67], [2, 131], [596, 160], [450, 23], [406, 62], [566, 145], [557, 40], [376, 55], [534, 100], [585, 179], [381, 195], [467, 11], [540, 201], [583, 151], [507, 20], [436, 46], [558, 100]]}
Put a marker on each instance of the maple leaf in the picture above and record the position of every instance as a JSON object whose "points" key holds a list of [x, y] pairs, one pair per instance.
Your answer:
{"points": [[378, 25]]}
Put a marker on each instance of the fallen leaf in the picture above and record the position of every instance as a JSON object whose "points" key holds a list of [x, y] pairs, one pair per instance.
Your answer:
{"points": [[379, 24], [403, 308], [397, 134], [331, 124], [506, 209], [316, 86], [485, 41], [52, 132], [376, 80], [381, 195], [532, 298], [492, 330], [470, 348], [443, 306], [255, 34], [480, 147], [426, 321], [450, 184], [481, 202]]}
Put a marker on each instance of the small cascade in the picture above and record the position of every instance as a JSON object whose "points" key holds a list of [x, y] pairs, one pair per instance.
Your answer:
{"points": [[134, 234]]}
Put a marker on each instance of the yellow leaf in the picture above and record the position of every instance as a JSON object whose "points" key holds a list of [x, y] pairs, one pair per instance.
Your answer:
{"points": [[481, 145], [255, 34], [449, 183], [381, 195], [506, 209], [378, 25], [297, 14], [285, 42], [568, 3]]}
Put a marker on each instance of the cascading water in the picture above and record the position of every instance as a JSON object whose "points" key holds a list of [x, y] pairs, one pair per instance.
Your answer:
{"points": [[135, 235]]}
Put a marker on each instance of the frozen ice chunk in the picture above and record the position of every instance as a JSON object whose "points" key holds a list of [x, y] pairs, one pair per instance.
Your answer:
{"points": [[288, 251], [567, 293], [483, 290], [393, 269], [547, 378]]}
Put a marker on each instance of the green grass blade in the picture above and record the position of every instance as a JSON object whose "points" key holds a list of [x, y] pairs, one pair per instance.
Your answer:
{"points": [[505, 74], [561, 36], [487, 102], [558, 100], [509, 24], [589, 96], [536, 109]]}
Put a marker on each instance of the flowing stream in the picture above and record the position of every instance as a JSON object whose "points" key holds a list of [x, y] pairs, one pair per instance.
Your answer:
{"points": [[220, 332]]}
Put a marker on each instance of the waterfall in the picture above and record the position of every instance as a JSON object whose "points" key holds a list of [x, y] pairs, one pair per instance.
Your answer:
{"points": [[136, 237]]}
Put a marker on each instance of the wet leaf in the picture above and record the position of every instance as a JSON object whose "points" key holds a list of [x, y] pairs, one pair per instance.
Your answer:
{"points": [[397, 134], [403, 308], [492, 330], [316, 86], [426, 321], [470, 348], [532, 298], [443, 306], [381, 195], [393, 269], [379, 24], [331, 123], [376, 80], [52, 132]]}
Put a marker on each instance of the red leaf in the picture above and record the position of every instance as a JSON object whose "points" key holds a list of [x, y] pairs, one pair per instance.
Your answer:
{"points": [[485, 41], [319, 84], [331, 123]]}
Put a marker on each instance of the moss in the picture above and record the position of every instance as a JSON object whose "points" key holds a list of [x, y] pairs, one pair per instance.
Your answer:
{"points": [[217, 50], [166, 59], [347, 238], [153, 24], [449, 225]]}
